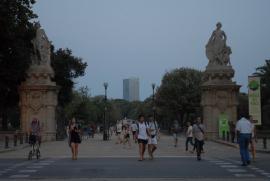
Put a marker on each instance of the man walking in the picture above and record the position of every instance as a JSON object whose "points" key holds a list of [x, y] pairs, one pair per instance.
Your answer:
{"points": [[152, 144], [175, 130], [198, 132], [243, 130], [134, 130], [189, 135]]}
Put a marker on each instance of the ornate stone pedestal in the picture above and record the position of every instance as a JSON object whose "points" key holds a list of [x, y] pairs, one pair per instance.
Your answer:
{"points": [[38, 94], [219, 92], [219, 96]]}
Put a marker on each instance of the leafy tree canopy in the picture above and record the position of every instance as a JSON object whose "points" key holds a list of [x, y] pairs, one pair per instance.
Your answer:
{"points": [[16, 32], [179, 95]]}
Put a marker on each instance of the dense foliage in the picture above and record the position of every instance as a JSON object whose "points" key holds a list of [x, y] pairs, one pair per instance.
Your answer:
{"points": [[179, 96], [67, 67], [16, 33], [264, 73]]}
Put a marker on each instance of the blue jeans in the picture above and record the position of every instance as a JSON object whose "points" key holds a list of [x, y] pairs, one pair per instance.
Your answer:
{"points": [[244, 140]]}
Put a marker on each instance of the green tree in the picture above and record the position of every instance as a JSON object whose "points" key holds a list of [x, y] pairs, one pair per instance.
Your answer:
{"points": [[16, 33], [67, 67], [242, 108], [264, 73], [179, 95]]}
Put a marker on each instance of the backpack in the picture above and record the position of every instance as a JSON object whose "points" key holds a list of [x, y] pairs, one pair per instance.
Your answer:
{"points": [[146, 125]]}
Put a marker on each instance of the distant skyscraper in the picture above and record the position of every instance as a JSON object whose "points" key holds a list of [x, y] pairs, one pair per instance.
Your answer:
{"points": [[131, 89]]}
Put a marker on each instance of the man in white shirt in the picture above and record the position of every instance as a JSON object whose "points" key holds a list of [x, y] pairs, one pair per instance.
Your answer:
{"points": [[244, 129], [143, 135], [189, 135], [152, 143]]}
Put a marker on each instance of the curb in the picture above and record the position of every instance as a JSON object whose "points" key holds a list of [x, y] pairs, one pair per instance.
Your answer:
{"points": [[234, 145]]}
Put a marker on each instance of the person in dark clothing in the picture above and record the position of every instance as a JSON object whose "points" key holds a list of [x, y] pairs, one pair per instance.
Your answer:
{"points": [[75, 138]]}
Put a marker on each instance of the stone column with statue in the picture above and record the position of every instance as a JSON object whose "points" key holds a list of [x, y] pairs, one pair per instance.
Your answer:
{"points": [[38, 94], [219, 92]]}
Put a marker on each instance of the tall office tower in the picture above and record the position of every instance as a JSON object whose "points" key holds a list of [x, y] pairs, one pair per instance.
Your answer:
{"points": [[131, 89]]}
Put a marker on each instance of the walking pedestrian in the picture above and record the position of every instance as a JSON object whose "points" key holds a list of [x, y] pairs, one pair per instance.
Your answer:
{"points": [[126, 136], [189, 135], [253, 138], [119, 126], [244, 130], [154, 131], [232, 130], [199, 134], [134, 130], [143, 135], [175, 130], [75, 139]]}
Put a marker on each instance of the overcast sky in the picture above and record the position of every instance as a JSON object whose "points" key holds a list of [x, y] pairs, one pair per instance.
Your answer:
{"points": [[145, 38]]}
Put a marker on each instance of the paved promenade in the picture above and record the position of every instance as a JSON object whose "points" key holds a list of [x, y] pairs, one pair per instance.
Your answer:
{"points": [[98, 148], [105, 160]]}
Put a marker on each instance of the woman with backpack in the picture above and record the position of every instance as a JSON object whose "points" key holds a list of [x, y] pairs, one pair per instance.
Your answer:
{"points": [[143, 136]]}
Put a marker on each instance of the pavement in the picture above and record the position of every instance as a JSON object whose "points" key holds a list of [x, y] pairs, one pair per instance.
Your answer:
{"points": [[104, 160]]}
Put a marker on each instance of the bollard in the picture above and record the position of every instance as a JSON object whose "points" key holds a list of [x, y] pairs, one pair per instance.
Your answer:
{"points": [[228, 136], [264, 143], [26, 138], [223, 135], [21, 138], [15, 140], [6, 141]]}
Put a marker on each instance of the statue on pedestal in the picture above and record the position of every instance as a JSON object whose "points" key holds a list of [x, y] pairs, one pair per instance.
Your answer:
{"points": [[38, 93], [41, 47], [219, 91], [217, 51]]}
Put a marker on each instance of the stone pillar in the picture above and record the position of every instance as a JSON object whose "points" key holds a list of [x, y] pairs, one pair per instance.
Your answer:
{"points": [[39, 101], [38, 94], [219, 92], [218, 99]]}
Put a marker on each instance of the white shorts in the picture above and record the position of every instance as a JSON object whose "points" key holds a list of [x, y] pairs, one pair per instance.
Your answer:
{"points": [[152, 141]]}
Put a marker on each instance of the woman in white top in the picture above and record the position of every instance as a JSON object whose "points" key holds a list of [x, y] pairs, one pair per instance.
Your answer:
{"points": [[143, 136]]}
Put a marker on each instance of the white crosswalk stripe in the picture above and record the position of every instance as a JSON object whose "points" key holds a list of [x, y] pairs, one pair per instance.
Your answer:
{"points": [[19, 176], [229, 166], [237, 170], [28, 171], [244, 175]]}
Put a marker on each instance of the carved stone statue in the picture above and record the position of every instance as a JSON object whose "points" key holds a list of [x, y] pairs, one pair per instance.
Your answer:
{"points": [[41, 48], [217, 51]]}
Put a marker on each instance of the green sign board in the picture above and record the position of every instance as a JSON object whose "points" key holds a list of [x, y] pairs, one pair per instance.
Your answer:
{"points": [[254, 99], [223, 125]]}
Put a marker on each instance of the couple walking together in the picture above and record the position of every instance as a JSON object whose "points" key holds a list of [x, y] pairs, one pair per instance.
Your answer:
{"points": [[147, 133]]}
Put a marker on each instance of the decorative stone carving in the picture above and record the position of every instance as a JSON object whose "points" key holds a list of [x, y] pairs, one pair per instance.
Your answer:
{"points": [[219, 92], [41, 48], [38, 94], [217, 51]]}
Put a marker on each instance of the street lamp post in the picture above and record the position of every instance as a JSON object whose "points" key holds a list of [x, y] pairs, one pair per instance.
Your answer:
{"points": [[105, 134], [153, 101]]}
